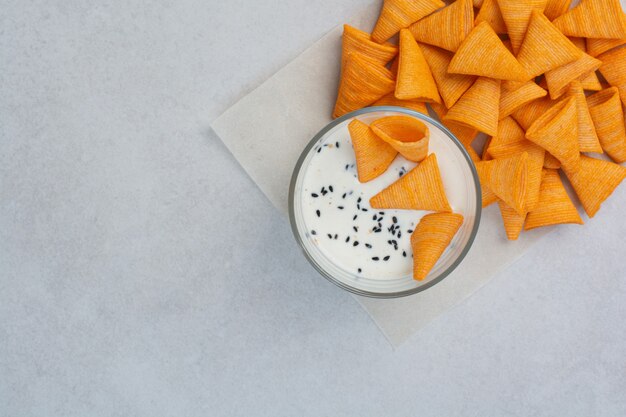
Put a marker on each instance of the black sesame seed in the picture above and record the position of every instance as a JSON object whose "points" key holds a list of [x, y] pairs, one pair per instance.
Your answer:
{"points": [[386, 258], [359, 270], [324, 192], [375, 217], [350, 193], [404, 253], [313, 232], [380, 225], [400, 174], [367, 245], [330, 187], [375, 258], [314, 195], [347, 166], [354, 218], [377, 231], [395, 219], [356, 229], [359, 200], [363, 209], [319, 150], [348, 239], [409, 231], [329, 236], [337, 144], [382, 213], [389, 242], [336, 236], [318, 213], [356, 243], [358, 207], [323, 189], [344, 195], [340, 207], [399, 234]]}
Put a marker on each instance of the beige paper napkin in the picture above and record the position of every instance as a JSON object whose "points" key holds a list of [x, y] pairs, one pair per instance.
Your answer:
{"points": [[267, 130]]}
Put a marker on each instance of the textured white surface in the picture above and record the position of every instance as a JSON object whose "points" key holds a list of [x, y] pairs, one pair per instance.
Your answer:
{"points": [[143, 273]]}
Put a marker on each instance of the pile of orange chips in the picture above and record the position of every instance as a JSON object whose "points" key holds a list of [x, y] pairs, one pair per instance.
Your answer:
{"points": [[545, 81]]}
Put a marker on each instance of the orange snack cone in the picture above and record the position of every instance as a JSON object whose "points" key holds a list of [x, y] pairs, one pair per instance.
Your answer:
{"points": [[419, 189], [559, 78], [363, 81], [483, 53], [516, 15], [550, 162], [555, 8], [355, 40], [430, 239], [528, 113], [557, 132], [587, 136], [478, 107], [451, 86], [555, 206], [415, 81], [606, 112], [373, 156], [446, 28], [511, 141], [464, 134], [399, 14], [613, 69], [391, 100], [508, 179], [594, 19], [597, 47], [595, 181], [513, 100], [488, 196], [544, 47], [405, 134], [490, 13], [513, 221]]}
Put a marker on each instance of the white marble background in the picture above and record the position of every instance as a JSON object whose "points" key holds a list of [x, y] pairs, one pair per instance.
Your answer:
{"points": [[142, 272]]}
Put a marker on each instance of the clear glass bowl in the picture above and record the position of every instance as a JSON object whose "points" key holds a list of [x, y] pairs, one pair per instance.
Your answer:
{"points": [[462, 188]]}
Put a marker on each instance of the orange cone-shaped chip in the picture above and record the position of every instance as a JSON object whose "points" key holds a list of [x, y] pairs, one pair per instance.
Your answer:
{"points": [[430, 239], [595, 181], [363, 81], [513, 100], [555, 206], [448, 27], [606, 112], [373, 155], [513, 221], [483, 53], [594, 19], [516, 15], [597, 47], [528, 113], [555, 8], [613, 68], [399, 14], [478, 107], [550, 162], [355, 40], [451, 86], [490, 13], [391, 100], [508, 179], [488, 196], [587, 136], [405, 134], [464, 134], [557, 132], [415, 81], [511, 141], [544, 47], [419, 189], [559, 78]]}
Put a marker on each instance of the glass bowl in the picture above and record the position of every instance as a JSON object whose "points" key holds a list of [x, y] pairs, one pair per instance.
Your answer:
{"points": [[332, 250]]}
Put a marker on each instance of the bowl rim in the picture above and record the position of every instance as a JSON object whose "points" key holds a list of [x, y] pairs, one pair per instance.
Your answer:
{"points": [[297, 234]]}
